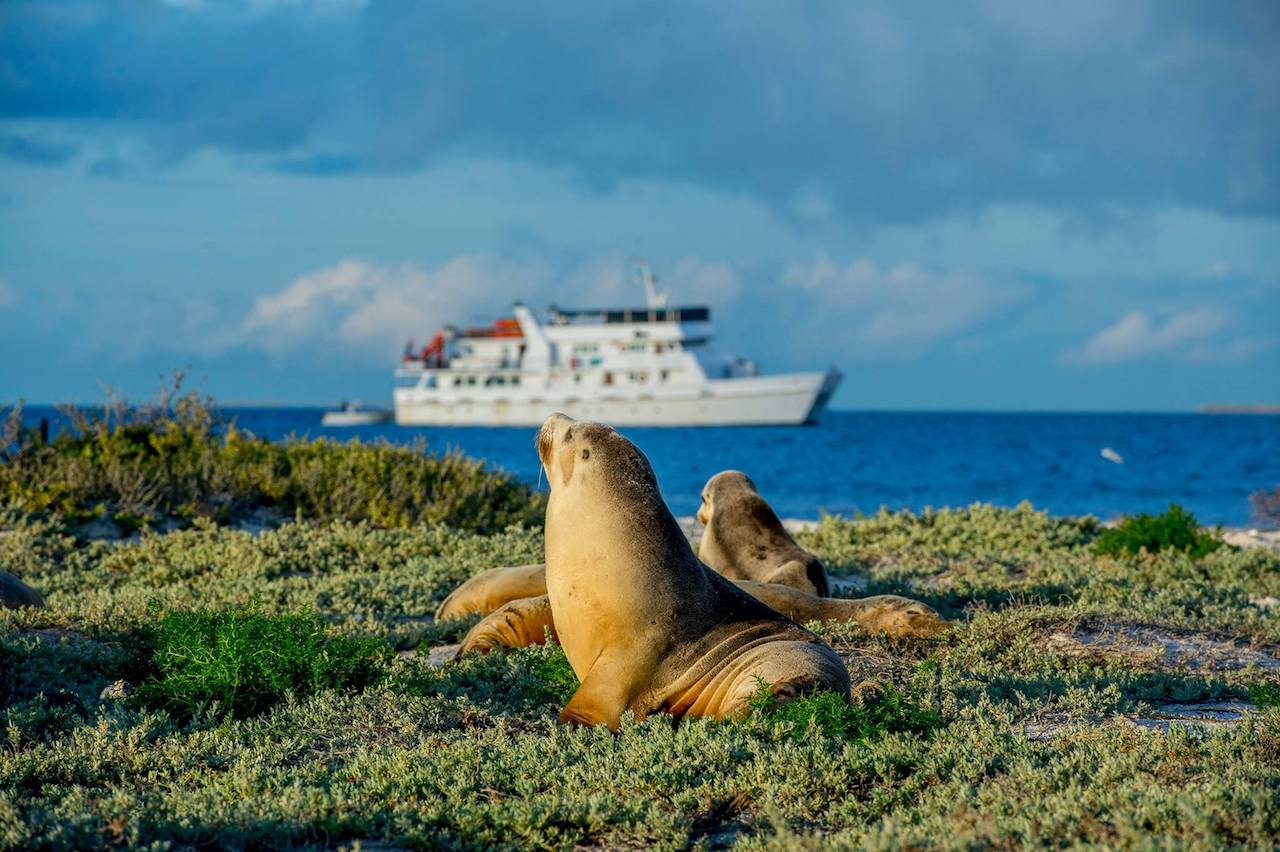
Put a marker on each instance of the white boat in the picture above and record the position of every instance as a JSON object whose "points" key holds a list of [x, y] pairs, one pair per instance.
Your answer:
{"points": [[650, 366], [355, 414]]}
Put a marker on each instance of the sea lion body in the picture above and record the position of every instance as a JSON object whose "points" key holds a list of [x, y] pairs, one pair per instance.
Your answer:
{"points": [[14, 593], [744, 540], [644, 624]]}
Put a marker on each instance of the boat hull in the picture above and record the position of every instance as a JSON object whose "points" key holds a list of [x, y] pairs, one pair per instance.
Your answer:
{"points": [[354, 418], [779, 400]]}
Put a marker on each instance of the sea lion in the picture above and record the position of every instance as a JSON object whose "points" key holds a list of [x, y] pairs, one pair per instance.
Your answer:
{"points": [[644, 624], [14, 593], [744, 539], [527, 621]]}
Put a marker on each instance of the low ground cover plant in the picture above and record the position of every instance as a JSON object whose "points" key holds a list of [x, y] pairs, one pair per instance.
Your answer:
{"points": [[1173, 529], [1017, 728]]}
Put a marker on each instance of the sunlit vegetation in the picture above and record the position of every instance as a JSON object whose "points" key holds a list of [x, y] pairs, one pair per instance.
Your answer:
{"points": [[211, 687], [173, 460]]}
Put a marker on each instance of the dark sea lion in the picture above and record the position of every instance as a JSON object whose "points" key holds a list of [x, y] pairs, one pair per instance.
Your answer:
{"points": [[744, 539], [644, 624], [14, 593]]}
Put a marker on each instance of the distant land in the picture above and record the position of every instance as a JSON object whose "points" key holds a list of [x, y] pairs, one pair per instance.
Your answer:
{"points": [[1238, 409]]}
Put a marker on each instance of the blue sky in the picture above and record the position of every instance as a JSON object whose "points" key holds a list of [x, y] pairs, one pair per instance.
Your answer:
{"points": [[1006, 204]]}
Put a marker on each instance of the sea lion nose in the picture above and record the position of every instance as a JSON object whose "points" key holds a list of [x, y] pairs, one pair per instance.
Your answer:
{"points": [[554, 419], [547, 434]]}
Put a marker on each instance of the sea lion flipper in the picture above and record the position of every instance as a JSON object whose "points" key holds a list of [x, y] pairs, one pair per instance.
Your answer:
{"points": [[516, 624], [487, 591], [796, 605], [603, 695], [892, 614]]}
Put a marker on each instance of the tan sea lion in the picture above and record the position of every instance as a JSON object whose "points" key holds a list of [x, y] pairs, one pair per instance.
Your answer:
{"points": [[744, 539], [14, 593], [644, 624]]}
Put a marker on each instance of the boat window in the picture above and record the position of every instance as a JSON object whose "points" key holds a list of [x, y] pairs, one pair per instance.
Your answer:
{"points": [[457, 380], [471, 380], [577, 378], [662, 376], [431, 381], [608, 378], [658, 348], [515, 380], [406, 381]]}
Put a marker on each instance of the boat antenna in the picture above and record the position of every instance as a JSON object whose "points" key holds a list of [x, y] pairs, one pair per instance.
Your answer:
{"points": [[641, 274]]}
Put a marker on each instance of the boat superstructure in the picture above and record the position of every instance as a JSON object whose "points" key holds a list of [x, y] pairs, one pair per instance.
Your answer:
{"points": [[649, 366]]}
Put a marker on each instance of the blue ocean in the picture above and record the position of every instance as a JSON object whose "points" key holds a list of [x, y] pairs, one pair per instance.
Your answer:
{"points": [[854, 461]]}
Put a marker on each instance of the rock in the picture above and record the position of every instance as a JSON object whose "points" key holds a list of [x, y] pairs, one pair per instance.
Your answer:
{"points": [[1169, 648], [867, 693], [1265, 539], [116, 691], [1204, 715], [14, 593], [847, 584], [437, 656]]}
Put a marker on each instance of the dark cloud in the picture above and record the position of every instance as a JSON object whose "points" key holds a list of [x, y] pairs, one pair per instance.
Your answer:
{"points": [[320, 165], [28, 149], [879, 111]]}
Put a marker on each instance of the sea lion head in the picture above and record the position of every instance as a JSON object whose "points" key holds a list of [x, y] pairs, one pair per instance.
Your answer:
{"points": [[724, 485], [579, 454]]}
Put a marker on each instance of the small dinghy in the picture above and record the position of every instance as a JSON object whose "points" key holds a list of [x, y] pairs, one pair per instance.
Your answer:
{"points": [[355, 414]]}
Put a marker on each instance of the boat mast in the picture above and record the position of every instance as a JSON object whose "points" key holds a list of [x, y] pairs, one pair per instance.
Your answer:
{"points": [[641, 274]]}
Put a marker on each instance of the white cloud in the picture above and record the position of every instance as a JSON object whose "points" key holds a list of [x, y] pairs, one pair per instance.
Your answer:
{"points": [[1136, 335], [1231, 352], [902, 308], [1217, 270], [368, 306], [7, 295]]}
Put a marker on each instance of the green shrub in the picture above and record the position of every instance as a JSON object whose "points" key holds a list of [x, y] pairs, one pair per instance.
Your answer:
{"points": [[173, 460], [1174, 529], [241, 662], [555, 673], [831, 715], [1265, 694]]}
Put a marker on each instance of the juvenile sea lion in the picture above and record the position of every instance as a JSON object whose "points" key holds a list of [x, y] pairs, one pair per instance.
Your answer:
{"points": [[644, 624], [14, 593], [744, 539]]}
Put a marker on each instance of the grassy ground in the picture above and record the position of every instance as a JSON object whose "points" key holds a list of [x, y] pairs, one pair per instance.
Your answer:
{"points": [[1020, 726]]}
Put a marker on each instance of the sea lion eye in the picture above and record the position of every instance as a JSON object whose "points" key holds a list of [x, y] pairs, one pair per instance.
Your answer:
{"points": [[568, 435]]}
